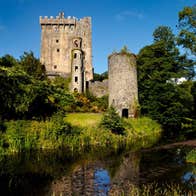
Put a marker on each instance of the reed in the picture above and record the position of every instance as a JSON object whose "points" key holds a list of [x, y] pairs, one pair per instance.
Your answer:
{"points": [[152, 189], [77, 132]]}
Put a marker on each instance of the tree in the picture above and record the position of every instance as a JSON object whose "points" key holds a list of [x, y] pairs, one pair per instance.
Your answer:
{"points": [[8, 61], [13, 92], [164, 33], [100, 77], [21, 96], [160, 65], [32, 66], [193, 91], [187, 27]]}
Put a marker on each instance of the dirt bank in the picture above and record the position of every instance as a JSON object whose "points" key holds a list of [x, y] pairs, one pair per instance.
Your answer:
{"points": [[172, 145]]}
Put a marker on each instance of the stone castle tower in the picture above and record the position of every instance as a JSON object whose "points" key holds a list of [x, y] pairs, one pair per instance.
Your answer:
{"points": [[123, 90], [66, 49]]}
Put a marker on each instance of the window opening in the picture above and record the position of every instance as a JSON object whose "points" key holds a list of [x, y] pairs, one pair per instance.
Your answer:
{"points": [[125, 112]]}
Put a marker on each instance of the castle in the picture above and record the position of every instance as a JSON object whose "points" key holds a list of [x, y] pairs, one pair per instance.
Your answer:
{"points": [[66, 49]]}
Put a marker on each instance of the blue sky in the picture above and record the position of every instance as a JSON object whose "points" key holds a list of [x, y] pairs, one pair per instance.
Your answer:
{"points": [[115, 23]]}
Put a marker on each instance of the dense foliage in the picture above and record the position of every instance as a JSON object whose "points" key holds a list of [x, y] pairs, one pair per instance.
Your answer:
{"points": [[166, 86], [112, 121], [26, 93], [21, 96], [187, 26], [100, 77]]}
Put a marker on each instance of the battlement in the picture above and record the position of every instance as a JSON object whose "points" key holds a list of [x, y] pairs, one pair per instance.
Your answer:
{"points": [[61, 20], [66, 48]]}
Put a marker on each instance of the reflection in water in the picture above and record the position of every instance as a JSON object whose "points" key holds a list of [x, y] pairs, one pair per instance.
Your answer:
{"points": [[85, 179], [93, 177], [54, 173], [102, 181], [127, 173], [80, 182]]}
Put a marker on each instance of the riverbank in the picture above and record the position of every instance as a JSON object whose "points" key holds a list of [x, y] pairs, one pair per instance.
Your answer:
{"points": [[191, 143], [77, 133]]}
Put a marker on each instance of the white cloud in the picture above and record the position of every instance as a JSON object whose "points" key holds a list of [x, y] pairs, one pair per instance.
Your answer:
{"points": [[127, 14]]}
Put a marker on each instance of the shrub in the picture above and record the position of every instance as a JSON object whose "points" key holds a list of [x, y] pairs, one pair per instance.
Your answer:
{"points": [[97, 104], [112, 121], [59, 126], [62, 83]]}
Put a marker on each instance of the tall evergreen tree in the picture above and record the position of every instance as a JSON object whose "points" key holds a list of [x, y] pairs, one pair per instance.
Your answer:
{"points": [[160, 66]]}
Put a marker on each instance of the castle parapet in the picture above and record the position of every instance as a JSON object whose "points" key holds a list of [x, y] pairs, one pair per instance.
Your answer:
{"points": [[60, 20], [66, 48], [57, 21]]}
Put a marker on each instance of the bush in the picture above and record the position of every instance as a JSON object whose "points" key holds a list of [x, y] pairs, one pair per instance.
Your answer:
{"points": [[112, 121], [59, 126], [62, 83]]}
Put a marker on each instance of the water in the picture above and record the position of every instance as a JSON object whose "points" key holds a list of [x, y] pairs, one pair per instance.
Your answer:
{"points": [[57, 173]]}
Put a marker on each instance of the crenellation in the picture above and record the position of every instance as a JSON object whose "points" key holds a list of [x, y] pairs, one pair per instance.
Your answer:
{"points": [[72, 34]]}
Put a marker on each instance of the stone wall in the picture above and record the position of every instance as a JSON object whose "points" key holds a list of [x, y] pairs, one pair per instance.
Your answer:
{"points": [[98, 88], [123, 90], [59, 37]]}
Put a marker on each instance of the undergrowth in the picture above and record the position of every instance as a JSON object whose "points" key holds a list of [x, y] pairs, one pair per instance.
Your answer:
{"points": [[76, 132]]}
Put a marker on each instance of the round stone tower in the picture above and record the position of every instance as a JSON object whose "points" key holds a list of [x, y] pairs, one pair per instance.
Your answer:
{"points": [[123, 89]]}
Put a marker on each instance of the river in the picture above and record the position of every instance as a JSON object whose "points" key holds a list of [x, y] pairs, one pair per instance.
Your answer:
{"points": [[98, 173]]}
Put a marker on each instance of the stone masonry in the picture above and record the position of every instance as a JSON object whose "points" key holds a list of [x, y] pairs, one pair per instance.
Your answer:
{"points": [[123, 90], [99, 89], [66, 49]]}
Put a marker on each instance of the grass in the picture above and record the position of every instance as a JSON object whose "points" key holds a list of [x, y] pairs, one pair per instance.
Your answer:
{"points": [[77, 132], [143, 125], [141, 132], [84, 119]]}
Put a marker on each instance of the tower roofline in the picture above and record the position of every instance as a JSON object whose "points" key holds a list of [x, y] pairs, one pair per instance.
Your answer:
{"points": [[60, 19], [121, 53]]}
